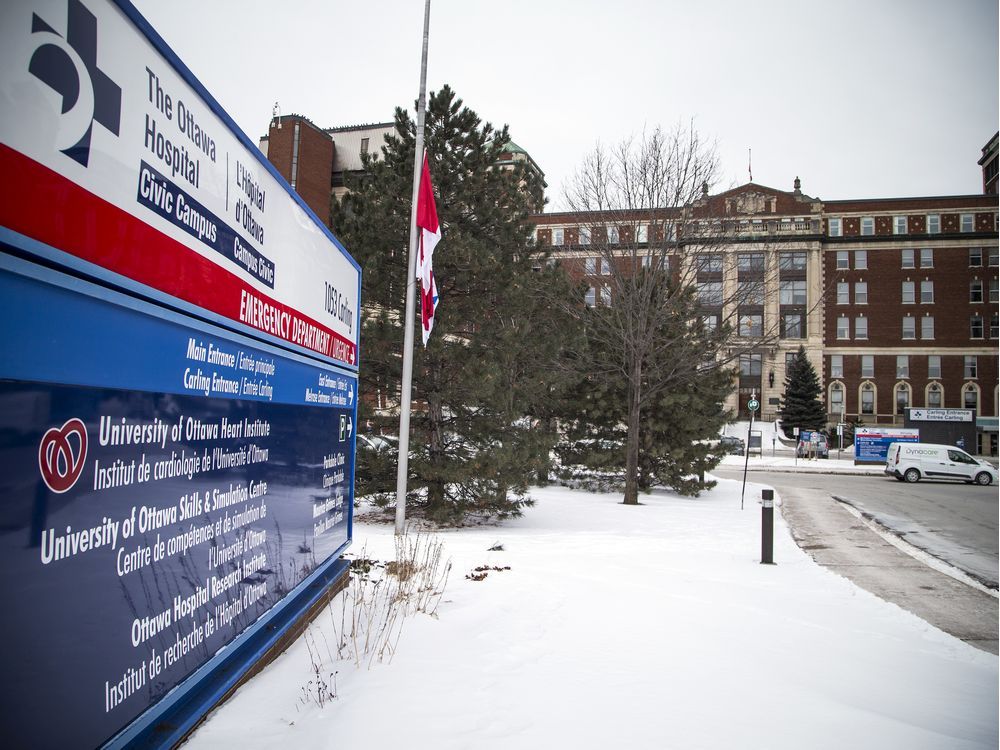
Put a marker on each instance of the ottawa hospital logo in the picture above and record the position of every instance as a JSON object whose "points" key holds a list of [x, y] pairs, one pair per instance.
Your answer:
{"points": [[62, 454], [68, 65]]}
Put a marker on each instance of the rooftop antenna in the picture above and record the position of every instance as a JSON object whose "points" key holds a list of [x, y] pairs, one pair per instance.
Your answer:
{"points": [[749, 162], [276, 113]]}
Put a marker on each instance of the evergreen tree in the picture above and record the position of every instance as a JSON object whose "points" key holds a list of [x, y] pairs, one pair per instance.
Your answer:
{"points": [[801, 403], [478, 433], [676, 425]]}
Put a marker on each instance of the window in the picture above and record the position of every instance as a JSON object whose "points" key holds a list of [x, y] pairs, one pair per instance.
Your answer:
{"points": [[750, 292], [837, 398], [792, 293], [793, 326], [843, 328], [364, 145], [752, 325], [970, 399], [975, 291], [835, 228], [613, 235], [584, 235], [995, 326], [711, 322], [843, 259], [902, 398], [558, 236], [709, 263], [934, 366], [789, 358], [975, 257], [908, 293], [836, 365], [994, 257], [967, 223], [843, 293], [710, 293], [590, 266], [750, 263], [933, 223], [861, 293], [908, 261], [591, 297], [868, 365], [606, 296], [970, 370], [899, 225], [902, 366], [993, 290], [792, 262], [605, 267], [861, 327], [934, 396], [927, 257], [861, 260], [976, 327], [909, 327], [867, 399], [867, 225], [750, 365], [927, 327], [926, 292]]}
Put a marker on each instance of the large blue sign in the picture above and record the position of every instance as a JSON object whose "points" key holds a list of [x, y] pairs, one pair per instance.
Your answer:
{"points": [[871, 444], [164, 486]]}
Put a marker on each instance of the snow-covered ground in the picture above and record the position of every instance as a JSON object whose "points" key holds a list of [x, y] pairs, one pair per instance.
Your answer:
{"points": [[643, 627]]}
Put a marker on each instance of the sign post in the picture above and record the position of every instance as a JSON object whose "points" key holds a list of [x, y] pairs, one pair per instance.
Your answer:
{"points": [[752, 405]]}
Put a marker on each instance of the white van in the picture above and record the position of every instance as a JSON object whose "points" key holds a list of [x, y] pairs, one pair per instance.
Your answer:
{"points": [[912, 462]]}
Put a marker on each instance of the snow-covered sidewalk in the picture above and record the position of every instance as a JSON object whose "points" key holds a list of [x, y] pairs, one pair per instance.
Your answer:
{"points": [[642, 627]]}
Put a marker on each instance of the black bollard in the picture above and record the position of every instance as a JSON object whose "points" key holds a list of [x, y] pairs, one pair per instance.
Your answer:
{"points": [[767, 528]]}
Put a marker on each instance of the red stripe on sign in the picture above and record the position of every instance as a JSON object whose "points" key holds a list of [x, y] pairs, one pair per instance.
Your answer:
{"points": [[42, 204]]}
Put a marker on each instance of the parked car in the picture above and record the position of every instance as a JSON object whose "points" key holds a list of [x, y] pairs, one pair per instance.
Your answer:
{"points": [[732, 444], [911, 462], [818, 446]]}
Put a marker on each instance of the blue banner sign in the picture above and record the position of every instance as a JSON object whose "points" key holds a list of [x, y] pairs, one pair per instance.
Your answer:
{"points": [[871, 444], [164, 485]]}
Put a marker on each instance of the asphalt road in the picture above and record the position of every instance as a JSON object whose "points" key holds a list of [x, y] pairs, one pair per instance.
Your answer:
{"points": [[954, 522]]}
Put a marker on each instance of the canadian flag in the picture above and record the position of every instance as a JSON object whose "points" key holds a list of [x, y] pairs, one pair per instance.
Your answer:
{"points": [[430, 235]]}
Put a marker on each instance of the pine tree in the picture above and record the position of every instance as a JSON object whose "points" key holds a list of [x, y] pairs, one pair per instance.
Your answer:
{"points": [[478, 432], [801, 405], [678, 423]]}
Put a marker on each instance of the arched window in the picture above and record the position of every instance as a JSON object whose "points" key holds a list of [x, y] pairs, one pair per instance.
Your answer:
{"points": [[867, 397], [836, 398], [902, 397], [970, 397], [934, 396]]}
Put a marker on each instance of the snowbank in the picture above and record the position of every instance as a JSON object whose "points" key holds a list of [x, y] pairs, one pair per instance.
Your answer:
{"points": [[643, 627]]}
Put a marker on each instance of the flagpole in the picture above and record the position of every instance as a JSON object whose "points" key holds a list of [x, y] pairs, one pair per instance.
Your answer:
{"points": [[411, 285]]}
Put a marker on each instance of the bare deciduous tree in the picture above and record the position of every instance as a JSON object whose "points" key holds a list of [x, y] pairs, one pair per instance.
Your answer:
{"points": [[673, 287]]}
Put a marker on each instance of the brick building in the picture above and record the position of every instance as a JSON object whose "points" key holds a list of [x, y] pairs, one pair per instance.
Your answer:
{"points": [[894, 300], [316, 161]]}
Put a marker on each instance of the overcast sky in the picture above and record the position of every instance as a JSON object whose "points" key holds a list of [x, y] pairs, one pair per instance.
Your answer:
{"points": [[859, 98]]}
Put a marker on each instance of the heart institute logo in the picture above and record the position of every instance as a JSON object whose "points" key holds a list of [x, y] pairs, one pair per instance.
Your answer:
{"points": [[58, 462], [68, 65]]}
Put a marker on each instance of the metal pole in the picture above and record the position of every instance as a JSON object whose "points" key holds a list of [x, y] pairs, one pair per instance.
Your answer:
{"points": [[402, 466], [746, 459], [767, 527]]}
